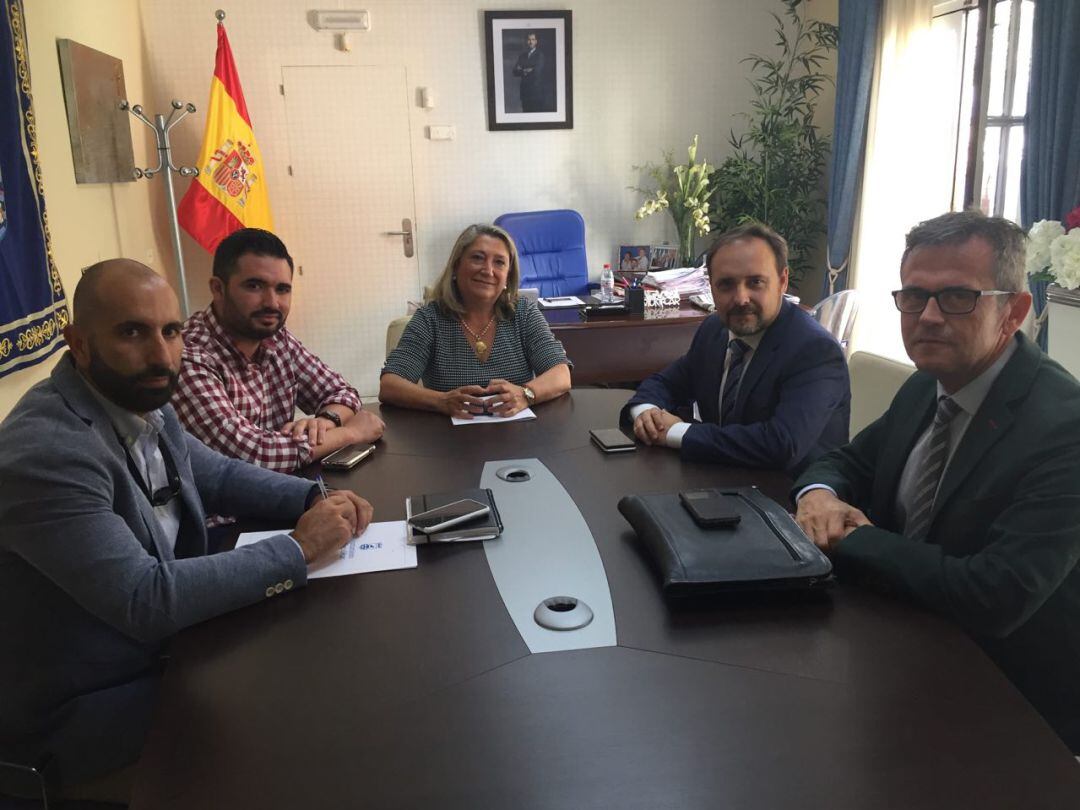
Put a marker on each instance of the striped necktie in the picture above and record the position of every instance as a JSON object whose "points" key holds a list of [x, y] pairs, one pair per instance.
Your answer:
{"points": [[738, 349], [926, 485]]}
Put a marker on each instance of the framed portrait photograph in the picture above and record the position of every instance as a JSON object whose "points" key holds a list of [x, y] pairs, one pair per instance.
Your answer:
{"points": [[663, 257], [529, 75], [634, 258]]}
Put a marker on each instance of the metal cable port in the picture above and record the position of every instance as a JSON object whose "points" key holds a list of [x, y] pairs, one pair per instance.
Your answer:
{"points": [[562, 613], [513, 475]]}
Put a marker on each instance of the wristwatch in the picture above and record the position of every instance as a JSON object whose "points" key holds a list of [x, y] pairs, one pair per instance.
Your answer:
{"points": [[333, 417], [530, 396]]}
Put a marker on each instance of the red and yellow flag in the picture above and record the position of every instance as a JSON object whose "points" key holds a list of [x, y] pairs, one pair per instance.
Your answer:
{"points": [[230, 191]]}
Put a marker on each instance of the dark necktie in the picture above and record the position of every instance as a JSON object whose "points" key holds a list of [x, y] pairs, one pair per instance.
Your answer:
{"points": [[738, 349], [929, 477]]}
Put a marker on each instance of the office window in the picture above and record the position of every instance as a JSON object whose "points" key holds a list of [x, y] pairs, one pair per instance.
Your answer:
{"points": [[990, 42]]}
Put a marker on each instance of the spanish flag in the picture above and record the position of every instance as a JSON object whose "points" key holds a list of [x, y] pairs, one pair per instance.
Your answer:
{"points": [[230, 191]]}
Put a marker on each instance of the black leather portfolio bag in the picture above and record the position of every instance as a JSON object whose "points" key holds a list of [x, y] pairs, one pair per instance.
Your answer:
{"points": [[765, 549]]}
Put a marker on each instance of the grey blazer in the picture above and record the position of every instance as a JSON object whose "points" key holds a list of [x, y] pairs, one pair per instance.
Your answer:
{"points": [[89, 588]]}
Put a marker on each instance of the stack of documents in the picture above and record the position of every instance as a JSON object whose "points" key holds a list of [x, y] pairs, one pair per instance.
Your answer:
{"points": [[684, 280]]}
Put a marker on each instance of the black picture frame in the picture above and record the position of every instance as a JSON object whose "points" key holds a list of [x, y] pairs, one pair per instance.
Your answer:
{"points": [[529, 87]]}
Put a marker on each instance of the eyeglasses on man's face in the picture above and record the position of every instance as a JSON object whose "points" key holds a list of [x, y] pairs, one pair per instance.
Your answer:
{"points": [[951, 300]]}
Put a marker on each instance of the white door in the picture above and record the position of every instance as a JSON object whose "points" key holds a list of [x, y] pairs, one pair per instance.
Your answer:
{"points": [[349, 154]]}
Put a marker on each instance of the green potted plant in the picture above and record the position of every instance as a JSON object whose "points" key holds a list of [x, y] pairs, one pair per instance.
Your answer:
{"points": [[775, 170]]}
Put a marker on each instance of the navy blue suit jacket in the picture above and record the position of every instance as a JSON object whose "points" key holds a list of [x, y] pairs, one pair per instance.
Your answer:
{"points": [[793, 404]]}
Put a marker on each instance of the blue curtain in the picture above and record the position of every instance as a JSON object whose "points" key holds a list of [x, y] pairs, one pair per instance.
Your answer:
{"points": [[854, 73], [1050, 169], [33, 309]]}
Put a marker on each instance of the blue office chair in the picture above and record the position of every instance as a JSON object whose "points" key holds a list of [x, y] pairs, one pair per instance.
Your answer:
{"points": [[551, 247]]}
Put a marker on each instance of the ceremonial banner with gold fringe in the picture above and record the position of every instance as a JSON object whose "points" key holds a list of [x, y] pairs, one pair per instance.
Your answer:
{"points": [[33, 310], [230, 191]]}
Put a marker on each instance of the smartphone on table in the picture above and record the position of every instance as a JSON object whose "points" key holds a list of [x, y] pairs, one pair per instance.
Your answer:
{"points": [[491, 406], [612, 440], [451, 514], [348, 457]]}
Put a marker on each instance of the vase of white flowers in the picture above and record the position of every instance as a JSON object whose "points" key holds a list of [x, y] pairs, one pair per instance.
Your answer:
{"points": [[1053, 257], [683, 191]]}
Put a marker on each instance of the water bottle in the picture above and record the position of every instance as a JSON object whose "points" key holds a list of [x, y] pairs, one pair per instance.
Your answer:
{"points": [[607, 284]]}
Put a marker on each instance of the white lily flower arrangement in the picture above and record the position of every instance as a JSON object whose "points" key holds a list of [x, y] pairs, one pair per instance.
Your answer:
{"points": [[682, 190]]}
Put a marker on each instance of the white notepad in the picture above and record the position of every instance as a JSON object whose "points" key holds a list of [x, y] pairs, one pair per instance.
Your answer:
{"points": [[382, 547], [484, 419]]}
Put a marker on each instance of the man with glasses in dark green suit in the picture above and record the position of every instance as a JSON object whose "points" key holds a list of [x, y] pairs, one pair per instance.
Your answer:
{"points": [[964, 496]]}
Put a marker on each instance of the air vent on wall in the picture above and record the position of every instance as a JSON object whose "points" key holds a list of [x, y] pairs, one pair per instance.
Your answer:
{"points": [[340, 20]]}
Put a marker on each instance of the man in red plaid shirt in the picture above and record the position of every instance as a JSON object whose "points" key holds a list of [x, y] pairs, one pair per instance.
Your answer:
{"points": [[244, 373]]}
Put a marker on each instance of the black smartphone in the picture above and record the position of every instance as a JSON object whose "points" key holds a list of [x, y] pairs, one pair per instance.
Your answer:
{"points": [[709, 508], [348, 457], [612, 440], [491, 407], [451, 514]]}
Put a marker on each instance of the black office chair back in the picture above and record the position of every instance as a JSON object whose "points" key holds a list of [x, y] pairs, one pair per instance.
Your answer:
{"points": [[22, 781]]}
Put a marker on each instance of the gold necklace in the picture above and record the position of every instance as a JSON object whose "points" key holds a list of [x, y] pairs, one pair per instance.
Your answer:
{"points": [[481, 347]]}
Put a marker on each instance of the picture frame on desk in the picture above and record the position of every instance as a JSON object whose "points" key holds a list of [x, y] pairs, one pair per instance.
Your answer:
{"points": [[634, 258], [641, 258], [663, 257], [529, 69]]}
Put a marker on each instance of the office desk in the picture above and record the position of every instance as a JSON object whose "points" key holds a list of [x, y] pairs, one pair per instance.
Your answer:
{"points": [[413, 689], [623, 348]]}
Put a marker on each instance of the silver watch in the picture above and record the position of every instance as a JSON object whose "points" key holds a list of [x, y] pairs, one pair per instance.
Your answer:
{"points": [[530, 396]]}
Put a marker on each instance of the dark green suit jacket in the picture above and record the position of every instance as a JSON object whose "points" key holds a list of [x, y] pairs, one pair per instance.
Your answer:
{"points": [[1001, 557]]}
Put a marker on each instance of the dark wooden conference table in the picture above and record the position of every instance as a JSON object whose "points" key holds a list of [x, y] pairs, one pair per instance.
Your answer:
{"points": [[413, 688], [624, 348]]}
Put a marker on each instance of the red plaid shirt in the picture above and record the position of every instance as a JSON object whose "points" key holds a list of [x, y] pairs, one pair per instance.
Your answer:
{"points": [[238, 406]]}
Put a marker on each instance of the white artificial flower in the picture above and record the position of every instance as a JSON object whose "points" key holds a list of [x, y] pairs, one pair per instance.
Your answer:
{"points": [[1040, 236], [1065, 259]]}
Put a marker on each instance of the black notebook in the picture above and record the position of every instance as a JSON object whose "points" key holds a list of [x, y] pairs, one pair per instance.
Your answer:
{"points": [[766, 549], [486, 528]]}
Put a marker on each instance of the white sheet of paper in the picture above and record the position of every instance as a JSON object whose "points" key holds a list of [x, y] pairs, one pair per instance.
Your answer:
{"points": [[382, 547], [484, 419], [560, 302]]}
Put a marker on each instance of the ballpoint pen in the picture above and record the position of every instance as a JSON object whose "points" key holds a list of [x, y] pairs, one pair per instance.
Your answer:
{"points": [[322, 486]]}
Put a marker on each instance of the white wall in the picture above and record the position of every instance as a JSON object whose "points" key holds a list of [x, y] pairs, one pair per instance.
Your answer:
{"points": [[87, 221], [647, 77]]}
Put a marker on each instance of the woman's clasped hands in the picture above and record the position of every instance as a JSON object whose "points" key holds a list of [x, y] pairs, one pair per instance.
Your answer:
{"points": [[499, 398]]}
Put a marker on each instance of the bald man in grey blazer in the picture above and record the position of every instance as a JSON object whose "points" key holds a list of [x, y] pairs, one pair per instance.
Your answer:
{"points": [[103, 551]]}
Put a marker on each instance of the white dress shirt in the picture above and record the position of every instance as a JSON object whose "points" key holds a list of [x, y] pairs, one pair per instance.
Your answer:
{"points": [[674, 436], [140, 435]]}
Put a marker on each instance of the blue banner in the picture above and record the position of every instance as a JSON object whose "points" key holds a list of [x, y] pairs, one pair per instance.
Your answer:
{"points": [[33, 309]]}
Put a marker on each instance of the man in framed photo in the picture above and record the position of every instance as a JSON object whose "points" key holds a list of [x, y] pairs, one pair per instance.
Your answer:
{"points": [[530, 68]]}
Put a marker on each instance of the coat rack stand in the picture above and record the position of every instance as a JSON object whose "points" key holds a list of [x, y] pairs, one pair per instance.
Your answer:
{"points": [[161, 126]]}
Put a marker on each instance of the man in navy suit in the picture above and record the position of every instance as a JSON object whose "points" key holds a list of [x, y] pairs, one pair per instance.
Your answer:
{"points": [[769, 382]]}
